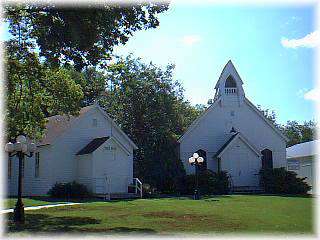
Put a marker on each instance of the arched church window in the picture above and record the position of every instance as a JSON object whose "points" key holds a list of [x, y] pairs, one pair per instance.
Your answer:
{"points": [[203, 166], [266, 159], [230, 82]]}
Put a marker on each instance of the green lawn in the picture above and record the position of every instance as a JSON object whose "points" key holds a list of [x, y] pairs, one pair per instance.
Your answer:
{"points": [[28, 202], [225, 214]]}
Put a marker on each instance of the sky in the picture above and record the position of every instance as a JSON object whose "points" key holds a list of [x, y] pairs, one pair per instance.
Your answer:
{"points": [[272, 48]]}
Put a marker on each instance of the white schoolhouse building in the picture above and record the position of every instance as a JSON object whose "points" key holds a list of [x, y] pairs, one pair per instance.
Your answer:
{"points": [[89, 149]]}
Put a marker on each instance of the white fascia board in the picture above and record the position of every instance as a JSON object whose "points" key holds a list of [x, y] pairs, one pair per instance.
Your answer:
{"points": [[265, 119], [117, 127]]}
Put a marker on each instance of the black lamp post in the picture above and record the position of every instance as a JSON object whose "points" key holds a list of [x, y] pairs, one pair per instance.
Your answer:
{"points": [[196, 161], [20, 149]]}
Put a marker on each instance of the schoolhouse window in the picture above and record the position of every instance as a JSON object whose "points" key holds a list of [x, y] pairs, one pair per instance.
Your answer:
{"points": [[37, 164], [266, 159], [9, 167], [94, 122]]}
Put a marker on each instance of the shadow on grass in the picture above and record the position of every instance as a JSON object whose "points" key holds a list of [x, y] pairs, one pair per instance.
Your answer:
{"points": [[47, 223], [287, 195], [43, 223], [50, 199]]}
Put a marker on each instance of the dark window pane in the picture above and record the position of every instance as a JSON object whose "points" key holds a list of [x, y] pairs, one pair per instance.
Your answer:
{"points": [[266, 159], [230, 82]]}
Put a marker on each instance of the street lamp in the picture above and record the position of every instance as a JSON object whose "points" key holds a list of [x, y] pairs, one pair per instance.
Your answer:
{"points": [[196, 161], [20, 148]]}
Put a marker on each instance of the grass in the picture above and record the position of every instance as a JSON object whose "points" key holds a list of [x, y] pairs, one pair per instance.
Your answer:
{"points": [[224, 214], [28, 202]]}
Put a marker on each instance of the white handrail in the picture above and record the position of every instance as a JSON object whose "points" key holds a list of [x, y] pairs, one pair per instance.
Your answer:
{"points": [[138, 186]]}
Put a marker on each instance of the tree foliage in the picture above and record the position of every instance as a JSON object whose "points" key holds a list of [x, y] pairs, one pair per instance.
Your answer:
{"points": [[295, 132], [269, 114], [149, 106], [82, 36], [35, 91], [299, 133]]}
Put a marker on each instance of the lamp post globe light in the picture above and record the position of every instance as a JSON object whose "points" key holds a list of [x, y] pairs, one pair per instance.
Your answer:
{"points": [[196, 161], [20, 149]]}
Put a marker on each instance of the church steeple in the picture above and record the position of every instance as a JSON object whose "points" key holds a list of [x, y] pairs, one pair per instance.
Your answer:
{"points": [[229, 86]]}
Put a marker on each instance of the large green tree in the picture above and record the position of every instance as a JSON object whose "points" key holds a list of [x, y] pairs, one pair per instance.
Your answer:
{"points": [[148, 104], [34, 92], [49, 47], [81, 36]]}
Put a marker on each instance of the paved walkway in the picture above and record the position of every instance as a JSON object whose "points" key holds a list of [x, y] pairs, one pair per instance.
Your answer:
{"points": [[40, 207]]}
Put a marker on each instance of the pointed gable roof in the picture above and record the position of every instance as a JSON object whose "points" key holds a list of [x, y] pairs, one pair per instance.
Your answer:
{"points": [[231, 140], [58, 124], [92, 146], [229, 69]]}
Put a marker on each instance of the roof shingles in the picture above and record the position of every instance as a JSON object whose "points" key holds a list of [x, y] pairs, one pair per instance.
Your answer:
{"points": [[92, 146]]}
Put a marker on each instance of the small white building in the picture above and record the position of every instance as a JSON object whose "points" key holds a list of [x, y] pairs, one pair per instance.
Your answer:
{"points": [[90, 149], [233, 135], [300, 159]]}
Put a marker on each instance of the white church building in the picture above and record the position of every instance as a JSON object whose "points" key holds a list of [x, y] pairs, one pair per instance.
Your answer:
{"points": [[89, 149], [233, 135]]}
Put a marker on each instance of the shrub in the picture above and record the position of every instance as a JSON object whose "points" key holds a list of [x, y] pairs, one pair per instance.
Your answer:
{"points": [[209, 182], [149, 191], [279, 180], [69, 190]]}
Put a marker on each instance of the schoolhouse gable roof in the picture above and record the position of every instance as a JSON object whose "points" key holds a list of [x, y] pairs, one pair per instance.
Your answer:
{"points": [[92, 146], [97, 142], [58, 124]]}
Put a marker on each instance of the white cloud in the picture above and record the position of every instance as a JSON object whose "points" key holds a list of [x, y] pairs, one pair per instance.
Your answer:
{"points": [[190, 40], [310, 40], [313, 95]]}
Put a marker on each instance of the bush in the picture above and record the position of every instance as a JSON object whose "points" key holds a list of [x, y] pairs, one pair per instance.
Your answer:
{"points": [[149, 191], [279, 180], [69, 190], [209, 182]]}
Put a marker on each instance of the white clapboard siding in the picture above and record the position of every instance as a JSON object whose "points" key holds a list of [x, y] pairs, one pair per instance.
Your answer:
{"points": [[231, 108], [59, 162], [112, 161]]}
